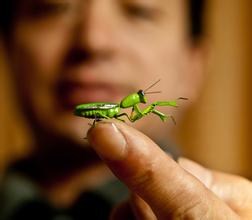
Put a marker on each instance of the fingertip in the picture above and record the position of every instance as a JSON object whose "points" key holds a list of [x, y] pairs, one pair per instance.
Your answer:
{"points": [[107, 140]]}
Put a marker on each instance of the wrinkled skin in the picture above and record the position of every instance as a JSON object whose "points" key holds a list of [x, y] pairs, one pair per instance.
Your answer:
{"points": [[163, 189]]}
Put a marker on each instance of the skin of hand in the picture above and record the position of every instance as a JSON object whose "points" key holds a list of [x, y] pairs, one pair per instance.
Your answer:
{"points": [[162, 188]]}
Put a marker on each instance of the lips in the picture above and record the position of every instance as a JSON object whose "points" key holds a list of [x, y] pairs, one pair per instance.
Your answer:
{"points": [[72, 93]]}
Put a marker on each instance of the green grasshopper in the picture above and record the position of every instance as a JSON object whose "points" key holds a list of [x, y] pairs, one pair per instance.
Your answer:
{"points": [[107, 110]]}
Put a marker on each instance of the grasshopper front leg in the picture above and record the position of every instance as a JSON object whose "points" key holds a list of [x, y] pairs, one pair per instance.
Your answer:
{"points": [[162, 116], [151, 109]]}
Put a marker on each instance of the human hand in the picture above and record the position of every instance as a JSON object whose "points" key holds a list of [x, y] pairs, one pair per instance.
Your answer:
{"points": [[163, 189]]}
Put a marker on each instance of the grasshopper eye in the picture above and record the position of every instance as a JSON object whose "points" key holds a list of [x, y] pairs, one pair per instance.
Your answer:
{"points": [[142, 96], [141, 92]]}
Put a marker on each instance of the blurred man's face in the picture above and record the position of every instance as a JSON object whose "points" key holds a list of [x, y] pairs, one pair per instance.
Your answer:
{"points": [[67, 52]]}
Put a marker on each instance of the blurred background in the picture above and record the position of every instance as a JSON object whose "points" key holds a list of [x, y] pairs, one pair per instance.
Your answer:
{"points": [[216, 131]]}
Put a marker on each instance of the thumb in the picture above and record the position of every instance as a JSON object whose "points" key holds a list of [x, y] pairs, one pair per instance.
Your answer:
{"points": [[168, 189]]}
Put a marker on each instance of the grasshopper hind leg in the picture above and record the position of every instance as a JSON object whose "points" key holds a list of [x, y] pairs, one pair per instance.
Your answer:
{"points": [[97, 119], [93, 124]]}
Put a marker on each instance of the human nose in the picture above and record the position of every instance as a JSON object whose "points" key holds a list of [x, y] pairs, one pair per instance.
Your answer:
{"points": [[97, 30]]}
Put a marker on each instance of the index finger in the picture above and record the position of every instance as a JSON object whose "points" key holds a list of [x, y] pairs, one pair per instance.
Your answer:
{"points": [[169, 190]]}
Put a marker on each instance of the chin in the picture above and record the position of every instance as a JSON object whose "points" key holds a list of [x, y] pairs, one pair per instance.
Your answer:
{"points": [[66, 127], [77, 131]]}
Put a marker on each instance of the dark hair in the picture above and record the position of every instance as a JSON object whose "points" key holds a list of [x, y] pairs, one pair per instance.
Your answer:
{"points": [[196, 14], [196, 11]]}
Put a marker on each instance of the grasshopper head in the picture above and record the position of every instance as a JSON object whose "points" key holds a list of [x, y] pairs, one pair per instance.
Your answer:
{"points": [[142, 96]]}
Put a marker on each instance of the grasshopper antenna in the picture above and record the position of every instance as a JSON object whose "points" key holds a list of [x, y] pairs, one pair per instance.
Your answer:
{"points": [[153, 92], [151, 86]]}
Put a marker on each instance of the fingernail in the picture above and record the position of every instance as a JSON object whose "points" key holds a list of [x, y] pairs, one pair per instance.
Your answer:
{"points": [[108, 141]]}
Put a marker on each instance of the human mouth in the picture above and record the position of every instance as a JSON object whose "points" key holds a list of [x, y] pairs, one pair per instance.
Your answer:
{"points": [[72, 93]]}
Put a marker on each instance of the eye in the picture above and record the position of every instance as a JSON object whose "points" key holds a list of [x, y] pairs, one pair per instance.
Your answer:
{"points": [[140, 11], [49, 8]]}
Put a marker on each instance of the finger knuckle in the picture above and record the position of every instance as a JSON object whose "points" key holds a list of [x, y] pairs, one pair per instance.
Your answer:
{"points": [[145, 177], [196, 209]]}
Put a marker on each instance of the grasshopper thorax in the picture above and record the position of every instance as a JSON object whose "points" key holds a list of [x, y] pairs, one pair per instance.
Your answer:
{"points": [[133, 99]]}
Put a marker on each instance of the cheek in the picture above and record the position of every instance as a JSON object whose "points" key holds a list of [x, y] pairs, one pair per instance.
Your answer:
{"points": [[165, 61], [37, 57], [38, 53]]}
